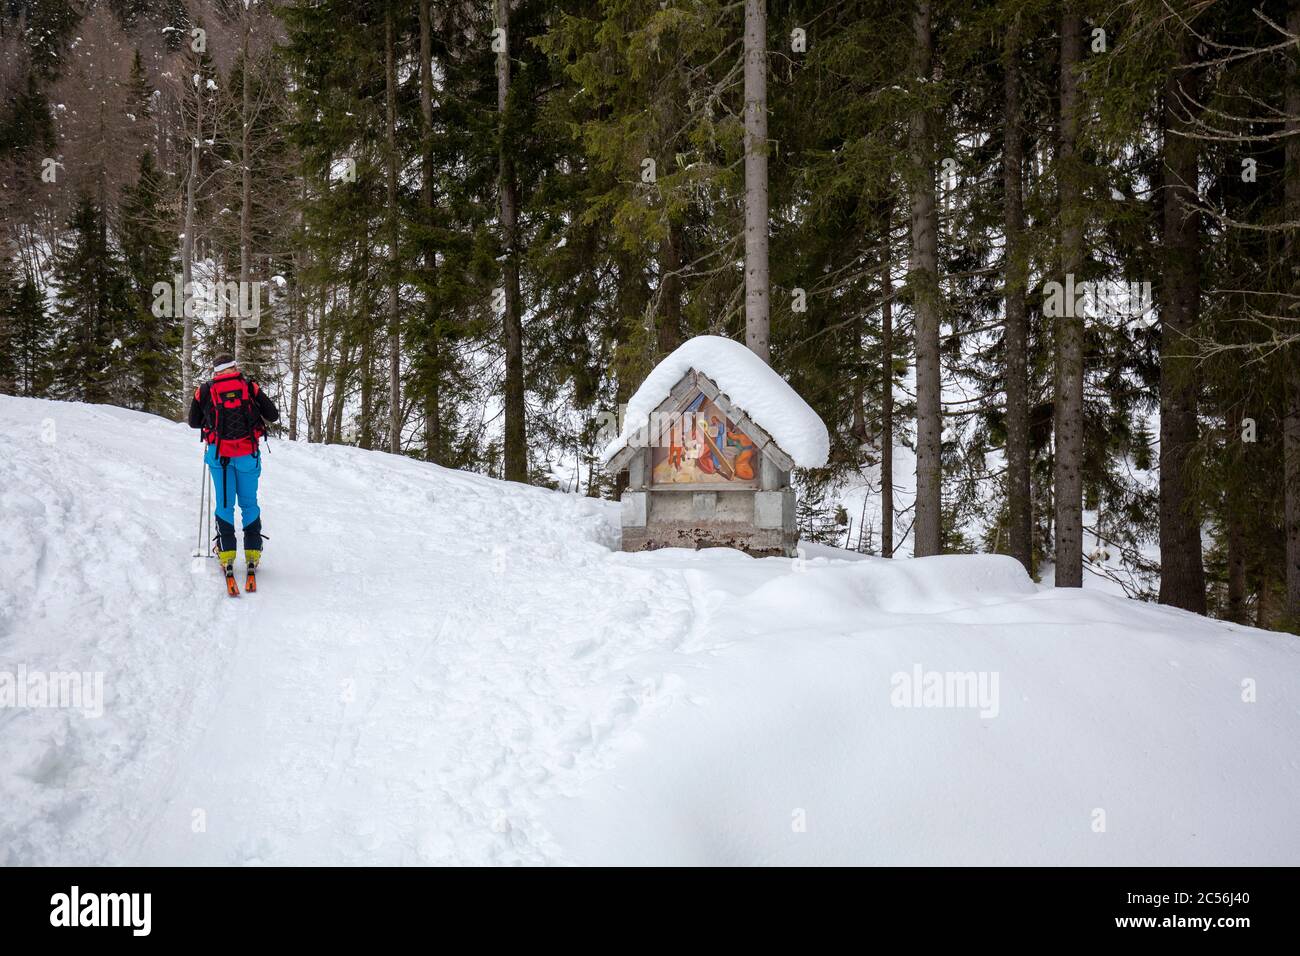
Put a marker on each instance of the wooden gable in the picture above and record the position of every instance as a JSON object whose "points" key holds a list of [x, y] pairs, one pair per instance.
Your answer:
{"points": [[740, 435]]}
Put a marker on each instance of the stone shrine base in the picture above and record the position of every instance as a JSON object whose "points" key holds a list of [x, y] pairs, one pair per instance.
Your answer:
{"points": [[759, 523]]}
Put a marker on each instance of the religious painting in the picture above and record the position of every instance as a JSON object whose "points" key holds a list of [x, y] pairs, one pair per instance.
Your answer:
{"points": [[700, 446]]}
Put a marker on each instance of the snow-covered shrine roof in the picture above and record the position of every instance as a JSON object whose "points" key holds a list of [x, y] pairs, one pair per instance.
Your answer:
{"points": [[748, 390]]}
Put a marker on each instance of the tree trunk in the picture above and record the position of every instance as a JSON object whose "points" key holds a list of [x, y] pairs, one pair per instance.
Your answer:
{"points": [[187, 257], [432, 357], [1068, 466], [631, 298], [1016, 331], [394, 314], [858, 411], [341, 375], [1291, 504], [516, 441], [756, 270], [315, 430], [669, 328], [924, 279], [295, 374], [1234, 532], [245, 194], [1182, 574], [1291, 419], [1265, 612], [105, 384], [886, 394], [365, 434], [301, 308]]}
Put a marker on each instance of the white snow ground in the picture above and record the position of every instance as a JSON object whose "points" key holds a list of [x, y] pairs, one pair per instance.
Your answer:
{"points": [[442, 668]]}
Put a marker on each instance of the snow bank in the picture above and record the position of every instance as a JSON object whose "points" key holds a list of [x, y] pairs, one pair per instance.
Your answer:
{"points": [[463, 671], [748, 382], [1116, 733]]}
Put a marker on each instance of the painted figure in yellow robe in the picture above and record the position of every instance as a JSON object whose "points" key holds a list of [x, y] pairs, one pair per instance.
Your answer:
{"points": [[721, 442]]}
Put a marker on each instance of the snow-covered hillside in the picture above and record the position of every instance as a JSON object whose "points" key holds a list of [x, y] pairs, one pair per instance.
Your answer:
{"points": [[441, 668]]}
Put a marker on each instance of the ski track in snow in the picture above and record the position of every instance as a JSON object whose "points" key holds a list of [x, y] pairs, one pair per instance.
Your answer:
{"points": [[441, 668]]}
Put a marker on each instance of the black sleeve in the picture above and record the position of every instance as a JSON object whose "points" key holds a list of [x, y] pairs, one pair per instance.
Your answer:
{"points": [[197, 404], [265, 407]]}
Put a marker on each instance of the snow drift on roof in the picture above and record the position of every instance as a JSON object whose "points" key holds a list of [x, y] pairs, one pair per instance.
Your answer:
{"points": [[750, 385]]}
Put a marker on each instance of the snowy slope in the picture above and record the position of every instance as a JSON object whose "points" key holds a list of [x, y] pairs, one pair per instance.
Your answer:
{"points": [[441, 668]]}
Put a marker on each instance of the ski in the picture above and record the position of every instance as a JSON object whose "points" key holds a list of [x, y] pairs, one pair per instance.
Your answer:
{"points": [[232, 586], [250, 582]]}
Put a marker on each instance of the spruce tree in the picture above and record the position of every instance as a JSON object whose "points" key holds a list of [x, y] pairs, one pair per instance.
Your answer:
{"points": [[28, 339], [152, 342], [93, 309], [8, 355]]}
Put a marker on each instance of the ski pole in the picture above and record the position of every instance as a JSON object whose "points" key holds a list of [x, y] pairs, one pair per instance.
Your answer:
{"points": [[207, 515], [203, 488]]}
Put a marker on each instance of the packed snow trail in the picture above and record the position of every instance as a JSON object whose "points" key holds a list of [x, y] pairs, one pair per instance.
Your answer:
{"points": [[443, 668]]}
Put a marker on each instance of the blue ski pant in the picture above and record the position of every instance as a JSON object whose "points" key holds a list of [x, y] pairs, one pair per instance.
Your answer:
{"points": [[234, 483]]}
